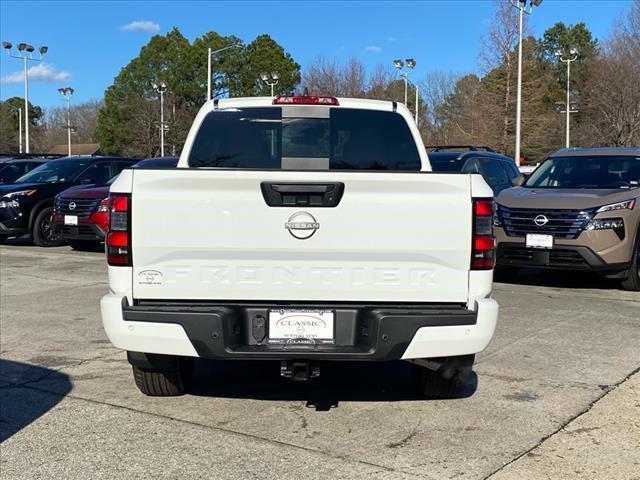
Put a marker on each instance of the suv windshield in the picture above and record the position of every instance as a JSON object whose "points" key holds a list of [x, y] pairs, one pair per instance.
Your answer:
{"points": [[55, 171], [587, 172], [341, 138]]}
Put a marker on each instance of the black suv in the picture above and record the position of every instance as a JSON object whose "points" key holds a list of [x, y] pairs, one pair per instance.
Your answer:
{"points": [[26, 206], [13, 168], [498, 170]]}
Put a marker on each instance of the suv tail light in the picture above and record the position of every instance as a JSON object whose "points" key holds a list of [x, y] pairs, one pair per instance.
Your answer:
{"points": [[305, 100], [483, 246], [119, 235]]}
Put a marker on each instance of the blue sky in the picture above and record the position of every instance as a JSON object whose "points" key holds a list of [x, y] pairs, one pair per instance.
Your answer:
{"points": [[89, 43]]}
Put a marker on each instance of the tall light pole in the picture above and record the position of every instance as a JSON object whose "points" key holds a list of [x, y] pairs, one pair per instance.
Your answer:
{"points": [[19, 109], [270, 79], [66, 93], [410, 64], [573, 52], [522, 6], [161, 88], [210, 54], [25, 53]]}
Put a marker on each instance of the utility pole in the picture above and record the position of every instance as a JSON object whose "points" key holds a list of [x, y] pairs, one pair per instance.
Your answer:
{"points": [[210, 54], [161, 88], [573, 52], [67, 92], [521, 5], [25, 53]]}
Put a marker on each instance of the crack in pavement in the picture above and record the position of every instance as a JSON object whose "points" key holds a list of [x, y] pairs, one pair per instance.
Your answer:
{"points": [[564, 424], [270, 441]]}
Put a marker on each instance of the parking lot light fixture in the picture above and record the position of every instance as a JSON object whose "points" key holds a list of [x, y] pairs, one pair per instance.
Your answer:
{"points": [[161, 88], [25, 53], [410, 63], [270, 79], [210, 54], [521, 5], [66, 93], [572, 57]]}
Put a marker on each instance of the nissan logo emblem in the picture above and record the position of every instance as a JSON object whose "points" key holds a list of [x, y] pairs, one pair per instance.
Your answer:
{"points": [[72, 205], [541, 220], [302, 225]]}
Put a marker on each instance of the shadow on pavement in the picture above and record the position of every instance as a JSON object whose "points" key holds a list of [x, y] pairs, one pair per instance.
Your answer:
{"points": [[561, 279], [338, 381], [20, 405]]}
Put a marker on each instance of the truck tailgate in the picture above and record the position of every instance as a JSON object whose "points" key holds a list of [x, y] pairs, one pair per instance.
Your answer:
{"points": [[209, 234]]}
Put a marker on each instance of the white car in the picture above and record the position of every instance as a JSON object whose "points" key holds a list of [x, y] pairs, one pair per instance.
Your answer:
{"points": [[300, 229]]}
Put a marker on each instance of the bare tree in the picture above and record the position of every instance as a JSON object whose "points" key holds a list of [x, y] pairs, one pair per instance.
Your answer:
{"points": [[612, 96]]}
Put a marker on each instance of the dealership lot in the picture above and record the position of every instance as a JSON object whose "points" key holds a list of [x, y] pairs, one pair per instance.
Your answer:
{"points": [[556, 394]]}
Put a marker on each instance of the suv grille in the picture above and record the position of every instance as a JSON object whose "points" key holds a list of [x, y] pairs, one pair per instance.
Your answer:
{"points": [[81, 208], [517, 222]]}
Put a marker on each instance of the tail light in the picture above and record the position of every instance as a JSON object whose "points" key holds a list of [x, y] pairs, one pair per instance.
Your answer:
{"points": [[305, 100], [119, 235], [483, 247]]}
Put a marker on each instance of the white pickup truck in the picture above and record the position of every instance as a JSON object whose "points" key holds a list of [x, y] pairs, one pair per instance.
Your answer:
{"points": [[300, 229]]}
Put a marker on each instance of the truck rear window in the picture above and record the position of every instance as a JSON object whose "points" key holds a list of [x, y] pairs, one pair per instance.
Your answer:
{"points": [[349, 139]]}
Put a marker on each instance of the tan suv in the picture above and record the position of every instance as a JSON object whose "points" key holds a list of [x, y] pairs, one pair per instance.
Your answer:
{"points": [[580, 210]]}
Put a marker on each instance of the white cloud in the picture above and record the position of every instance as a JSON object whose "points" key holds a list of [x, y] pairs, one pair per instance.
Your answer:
{"points": [[373, 49], [392, 39], [38, 73], [141, 26]]}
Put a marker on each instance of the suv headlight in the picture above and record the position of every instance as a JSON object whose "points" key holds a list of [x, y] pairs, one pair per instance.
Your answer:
{"points": [[21, 193], [627, 204], [605, 223]]}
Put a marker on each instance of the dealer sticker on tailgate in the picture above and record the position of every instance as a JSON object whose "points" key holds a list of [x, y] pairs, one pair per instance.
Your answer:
{"points": [[301, 326]]}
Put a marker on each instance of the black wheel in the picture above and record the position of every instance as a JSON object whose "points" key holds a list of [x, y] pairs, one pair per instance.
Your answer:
{"points": [[505, 273], [42, 233], [165, 382], [84, 245], [449, 381], [632, 281]]}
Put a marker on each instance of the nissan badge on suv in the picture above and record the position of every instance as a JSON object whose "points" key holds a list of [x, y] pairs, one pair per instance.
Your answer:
{"points": [[579, 210]]}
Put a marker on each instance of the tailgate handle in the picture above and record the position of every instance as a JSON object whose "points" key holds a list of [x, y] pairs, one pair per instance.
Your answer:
{"points": [[302, 194]]}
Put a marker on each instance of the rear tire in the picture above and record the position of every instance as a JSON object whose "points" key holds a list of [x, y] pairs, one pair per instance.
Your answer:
{"points": [[445, 382], [632, 281], [84, 245], [165, 382], [42, 232]]}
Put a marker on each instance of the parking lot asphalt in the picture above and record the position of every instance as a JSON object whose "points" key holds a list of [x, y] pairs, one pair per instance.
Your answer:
{"points": [[556, 395]]}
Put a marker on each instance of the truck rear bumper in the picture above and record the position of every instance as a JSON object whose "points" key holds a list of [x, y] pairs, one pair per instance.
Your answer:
{"points": [[363, 332]]}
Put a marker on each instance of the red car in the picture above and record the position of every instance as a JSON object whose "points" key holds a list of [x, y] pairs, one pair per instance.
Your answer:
{"points": [[81, 213]]}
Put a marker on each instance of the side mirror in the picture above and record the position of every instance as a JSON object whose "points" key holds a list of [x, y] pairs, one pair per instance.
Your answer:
{"points": [[518, 181]]}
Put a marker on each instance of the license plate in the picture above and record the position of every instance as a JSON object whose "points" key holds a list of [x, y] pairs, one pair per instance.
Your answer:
{"points": [[301, 326], [71, 220], [536, 240]]}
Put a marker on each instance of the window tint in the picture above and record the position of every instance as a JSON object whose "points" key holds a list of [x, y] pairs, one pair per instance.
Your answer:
{"points": [[98, 173], [10, 172], [511, 169], [471, 166], [348, 139], [119, 166], [587, 172], [494, 174], [54, 171]]}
